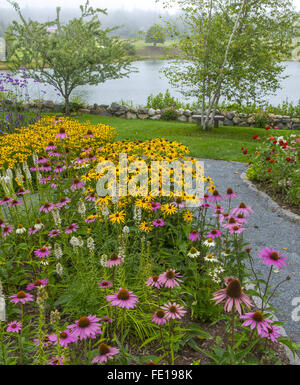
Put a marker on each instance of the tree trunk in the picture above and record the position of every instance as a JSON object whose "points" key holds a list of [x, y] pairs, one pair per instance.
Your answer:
{"points": [[67, 106]]}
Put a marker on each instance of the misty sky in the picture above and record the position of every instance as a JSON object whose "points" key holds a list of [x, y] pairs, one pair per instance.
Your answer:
{"points": [[110, 4]]}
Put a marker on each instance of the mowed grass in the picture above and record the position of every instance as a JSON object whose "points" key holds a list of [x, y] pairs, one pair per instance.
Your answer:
{"points": [[221, 143]]}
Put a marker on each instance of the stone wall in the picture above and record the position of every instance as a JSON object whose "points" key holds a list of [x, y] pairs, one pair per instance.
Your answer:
{"points": [[231, 118]]}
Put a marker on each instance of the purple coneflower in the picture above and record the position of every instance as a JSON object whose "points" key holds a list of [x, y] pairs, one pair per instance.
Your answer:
{"points": [[159, 317], [158, 223], [14, 327], [154, 282], [63, 202], [123, 299], [22, 192], [230, 194], [272, 257], [54, 233], [21, 297], [194, 236], [51, 146], [5, 200], [91, 197], [256, 320], [170, 278], [271, 333], [215, 197], [77, 184], [214, 234], [242, 209], [55, 360], [37, 283], [114, 260], [65, 338], [86, 327], [62, 134], [42, 252], [71, 228], [45, 167], [105, 353], [14, 203], [47, 207], [6, 230], [106, 320], [104, 284], [154, 206], [236, 229], [233, 294], [173, 310], [32, 230]]}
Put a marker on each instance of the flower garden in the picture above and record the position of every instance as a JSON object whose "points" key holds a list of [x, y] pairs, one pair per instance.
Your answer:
{"points": [[90, 279]]}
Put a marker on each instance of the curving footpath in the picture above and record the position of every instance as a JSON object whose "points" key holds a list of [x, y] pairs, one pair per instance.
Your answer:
{"points": [[269, 226]]}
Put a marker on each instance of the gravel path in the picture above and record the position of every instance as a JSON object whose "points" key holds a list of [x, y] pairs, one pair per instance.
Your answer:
{"points": [[265, 229]]}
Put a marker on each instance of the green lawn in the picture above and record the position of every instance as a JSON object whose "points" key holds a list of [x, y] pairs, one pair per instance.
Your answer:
{"points": [[220, 143]]}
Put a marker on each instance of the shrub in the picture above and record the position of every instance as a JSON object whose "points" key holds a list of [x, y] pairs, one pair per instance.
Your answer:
{"points": [[169, 114]]}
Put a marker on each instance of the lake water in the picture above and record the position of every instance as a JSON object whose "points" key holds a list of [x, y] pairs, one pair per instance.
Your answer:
{"points": [[149, 80]]}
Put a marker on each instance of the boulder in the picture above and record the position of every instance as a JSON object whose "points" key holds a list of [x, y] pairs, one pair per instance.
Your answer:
{"points": [[155, 117], [228, 122], [151, 112], [130, 115], [182, 118], [143, 116]]}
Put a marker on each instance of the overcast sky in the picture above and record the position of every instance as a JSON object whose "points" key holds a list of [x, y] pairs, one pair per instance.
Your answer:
{"points": [[110, 4]]}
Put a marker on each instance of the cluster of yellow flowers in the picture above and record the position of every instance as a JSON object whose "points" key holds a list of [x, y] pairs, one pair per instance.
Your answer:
{"points": [[17, 147]]}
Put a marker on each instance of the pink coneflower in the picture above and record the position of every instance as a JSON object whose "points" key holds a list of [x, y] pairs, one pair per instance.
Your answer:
{"points": [[256, 320], [21, 297], [233, 294], [230, 194], [214, 234], [2, 223], [236, 229], [77, 184], [51, 146], [215, 197], [63, 202], [37, 283], [14, 327], [54, 186], [242, 209], [45, 167], [91, 197], [45, 342], [241, 219], [32, 230], [89, 134], [91, 218], [54, 233], [62, 134], [86, 327], [47, 207], [6, 230], [154, 206], [218, 211], [106, 320], [55, 360], [173, 310], [65, 338], [5, 200], [42, 252], [271, 333], [14, 203], [105, 353], [158, 223], [71, 228], [114, 260], [59, 169], [159, 317], [45, 179], [104, 284], [154, 282], [231, 221], [206, 205], [170, 278], [22, 192], [123, 299], [194, 236], [41, 160], [272, 257], [179, 203]]}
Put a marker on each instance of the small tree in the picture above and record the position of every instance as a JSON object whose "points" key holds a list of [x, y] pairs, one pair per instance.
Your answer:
{"points": [[231, 50], [155, 34], [71, 55]]}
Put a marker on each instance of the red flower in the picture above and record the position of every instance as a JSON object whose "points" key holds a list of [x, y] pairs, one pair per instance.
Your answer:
{"points": [[272, 160], [255, 136], [268, 127], [268, 158], [288, 159], [275, 128], [271, 137], [268, 170], [245, 152], [274, 141], [249, 162]]}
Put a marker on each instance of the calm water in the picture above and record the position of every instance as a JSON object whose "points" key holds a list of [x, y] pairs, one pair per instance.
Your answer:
{"points": [[149, 80]]}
